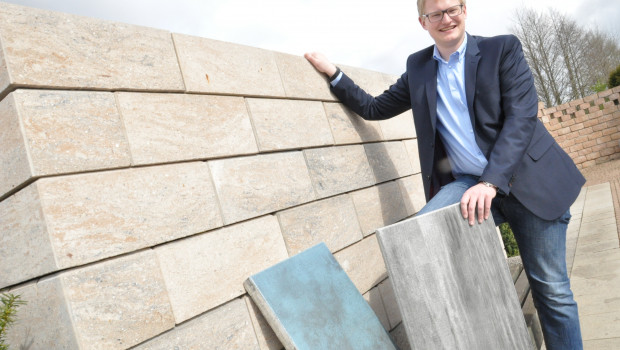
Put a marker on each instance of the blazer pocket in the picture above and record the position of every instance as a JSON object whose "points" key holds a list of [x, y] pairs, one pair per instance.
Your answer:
{"points": [[540, 147]]}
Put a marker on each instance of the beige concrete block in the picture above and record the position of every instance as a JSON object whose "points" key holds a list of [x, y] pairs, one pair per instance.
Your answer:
{"points": [[363, 263], [14, 161], [379, 206], [414, 157], [72, 131], [373, 298], [227, 327], [44, 322], [301, 80], [332, 221], [172, 127], [52, 49], [207, 270], [336, 170], [399, 127], [348, 127], [98, 215], [219, 67], [412, 190], [390, 303], [252, 186], [601, 326], [400, 337], [372, 82], [388, 160], [118, 303], [267, 339], [288, 124], [25, 246]]}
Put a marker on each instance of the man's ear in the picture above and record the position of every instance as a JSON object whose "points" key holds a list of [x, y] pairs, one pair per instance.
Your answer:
{"points": [[422, 22]]}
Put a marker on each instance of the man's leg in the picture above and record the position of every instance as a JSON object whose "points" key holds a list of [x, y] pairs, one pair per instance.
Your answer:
{"points": [[449, 194], [542, 245]]}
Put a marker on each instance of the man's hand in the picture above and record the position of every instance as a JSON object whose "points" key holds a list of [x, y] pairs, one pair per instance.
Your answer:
{"points": [[479, 196], [321, 63]]}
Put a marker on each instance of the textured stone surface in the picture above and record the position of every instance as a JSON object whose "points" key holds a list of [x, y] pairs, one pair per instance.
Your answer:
{"points": [[220, 67], [24, 243], [340, 169], [372, 82], [44, 322], [267, 339], [311, 304], [399, 127], [51, 49], [14, 162], [373, 298], [98, 215], [287, 124], [348, 127], [444, 270], [252, 186], [379, 206], [390, 303], [332, 221], [388, 160], [173, 127], [71, 131], [363, 263], [118, 303], [207, 270], [412, 190], [412, 151], [301, 80], [227, 327]]}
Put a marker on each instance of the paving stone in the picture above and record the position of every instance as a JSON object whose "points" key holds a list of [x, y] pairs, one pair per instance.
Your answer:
{"points": [[373, 298], [227, 327], [333, 221], [399, 127], [412, 190], [604, 300], [363, 263], [312, 284], [444, 270], [336, 170], [379, 206], [348, 127], [252, 186], [24, 243], [267, 339], [52, 49], [207, 270], [592, 285], [98, 215], [602, 344], [118, 303], [390, 303], [610, 257], [163, 128], [14, 161], [289, 124], [214, 66], [388, 160], [596, 247], [412, 151], [301, 79], [600, 326]]}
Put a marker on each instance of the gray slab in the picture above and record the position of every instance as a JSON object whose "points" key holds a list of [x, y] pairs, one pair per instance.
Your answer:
{"points": [[452, 283], [310, 303]]}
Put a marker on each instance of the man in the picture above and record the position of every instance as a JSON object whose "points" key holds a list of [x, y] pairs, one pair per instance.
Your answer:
{"points": [[481, 144]]}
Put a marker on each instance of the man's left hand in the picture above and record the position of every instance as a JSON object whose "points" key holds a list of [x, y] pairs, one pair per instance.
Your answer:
{"points": [[479, 196]]}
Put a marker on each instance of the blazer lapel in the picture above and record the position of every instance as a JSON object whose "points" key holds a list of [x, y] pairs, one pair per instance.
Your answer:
{"points": [[472, 57], [430, 78]]}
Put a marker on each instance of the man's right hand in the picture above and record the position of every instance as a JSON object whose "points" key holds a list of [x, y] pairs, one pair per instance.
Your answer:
{"points": [[321, 63]]}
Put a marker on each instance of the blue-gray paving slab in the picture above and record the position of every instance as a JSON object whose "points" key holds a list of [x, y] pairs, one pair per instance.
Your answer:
{"points": [[452, 283], [310, 303]]}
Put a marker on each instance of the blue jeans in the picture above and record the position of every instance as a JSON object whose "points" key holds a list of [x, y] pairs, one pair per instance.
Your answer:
{"points": [[542, 245]]}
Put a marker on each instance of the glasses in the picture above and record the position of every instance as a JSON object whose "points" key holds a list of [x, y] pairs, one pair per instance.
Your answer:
{"points": [[438, 15]]}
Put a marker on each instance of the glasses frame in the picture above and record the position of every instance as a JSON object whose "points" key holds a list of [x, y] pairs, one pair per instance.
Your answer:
{"points": [[443, 12]]}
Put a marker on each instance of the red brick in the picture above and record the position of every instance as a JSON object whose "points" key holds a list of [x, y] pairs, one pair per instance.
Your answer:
{"points": [[590, 98], [605, 93], [599, 127], [588, 163], [602, 160], [593, 155], [607, 151], [568, 122], [616, 89], [589, 144], [549, 110], [615, 136], [603, 139], [553, 121], [585, 131], [595, 135], [564, 131], [576, 102], [579, 159], [576, 127], [610, 130]]}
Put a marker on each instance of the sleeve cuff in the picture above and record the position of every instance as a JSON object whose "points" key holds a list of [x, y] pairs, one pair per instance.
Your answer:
{"points": [[334, 79]]}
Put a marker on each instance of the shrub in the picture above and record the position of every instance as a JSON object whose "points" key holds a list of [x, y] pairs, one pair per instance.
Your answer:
{"points": [[8, 310], [614, 78], [510, 244]]}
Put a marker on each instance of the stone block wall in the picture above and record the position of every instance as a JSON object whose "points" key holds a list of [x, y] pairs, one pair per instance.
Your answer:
{"points": [[588, 129], [144, 175]]}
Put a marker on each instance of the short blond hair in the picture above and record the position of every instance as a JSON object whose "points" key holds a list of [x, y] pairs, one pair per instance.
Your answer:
{"points": [[421, 4]]}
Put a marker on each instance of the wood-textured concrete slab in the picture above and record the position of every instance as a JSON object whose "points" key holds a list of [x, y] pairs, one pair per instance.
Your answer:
{"points": [[452, 283]]}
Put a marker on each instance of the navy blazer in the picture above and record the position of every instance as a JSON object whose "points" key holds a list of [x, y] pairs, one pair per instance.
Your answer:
{"points": [[523, 158]]}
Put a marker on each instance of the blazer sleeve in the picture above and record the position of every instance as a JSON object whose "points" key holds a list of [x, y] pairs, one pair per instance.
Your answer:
{"points": [[519, 104], [390, 103]]}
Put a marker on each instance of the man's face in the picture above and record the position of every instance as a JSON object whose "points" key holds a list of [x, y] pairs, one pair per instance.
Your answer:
{"points": [[449, 32]]}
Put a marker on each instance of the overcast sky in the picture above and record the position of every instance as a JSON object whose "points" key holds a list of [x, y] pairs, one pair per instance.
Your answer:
{"points": [[377, 35]]}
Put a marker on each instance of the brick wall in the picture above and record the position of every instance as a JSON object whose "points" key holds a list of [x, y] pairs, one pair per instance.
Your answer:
{"points": [[145, 175], [588, 129]]}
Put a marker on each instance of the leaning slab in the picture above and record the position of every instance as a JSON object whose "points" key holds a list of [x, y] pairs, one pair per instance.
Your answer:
{"points": [[310, 303], [452, 283]]}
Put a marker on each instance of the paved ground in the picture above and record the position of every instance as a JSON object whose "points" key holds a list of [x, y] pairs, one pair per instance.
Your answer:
{"points": [[593, 256]]}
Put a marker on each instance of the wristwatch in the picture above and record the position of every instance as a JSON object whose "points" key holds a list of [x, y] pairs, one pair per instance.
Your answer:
{"points": [[488, 184]]}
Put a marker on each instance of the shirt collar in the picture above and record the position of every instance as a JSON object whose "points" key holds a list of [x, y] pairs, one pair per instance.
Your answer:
{"points": [[458, 54]]}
